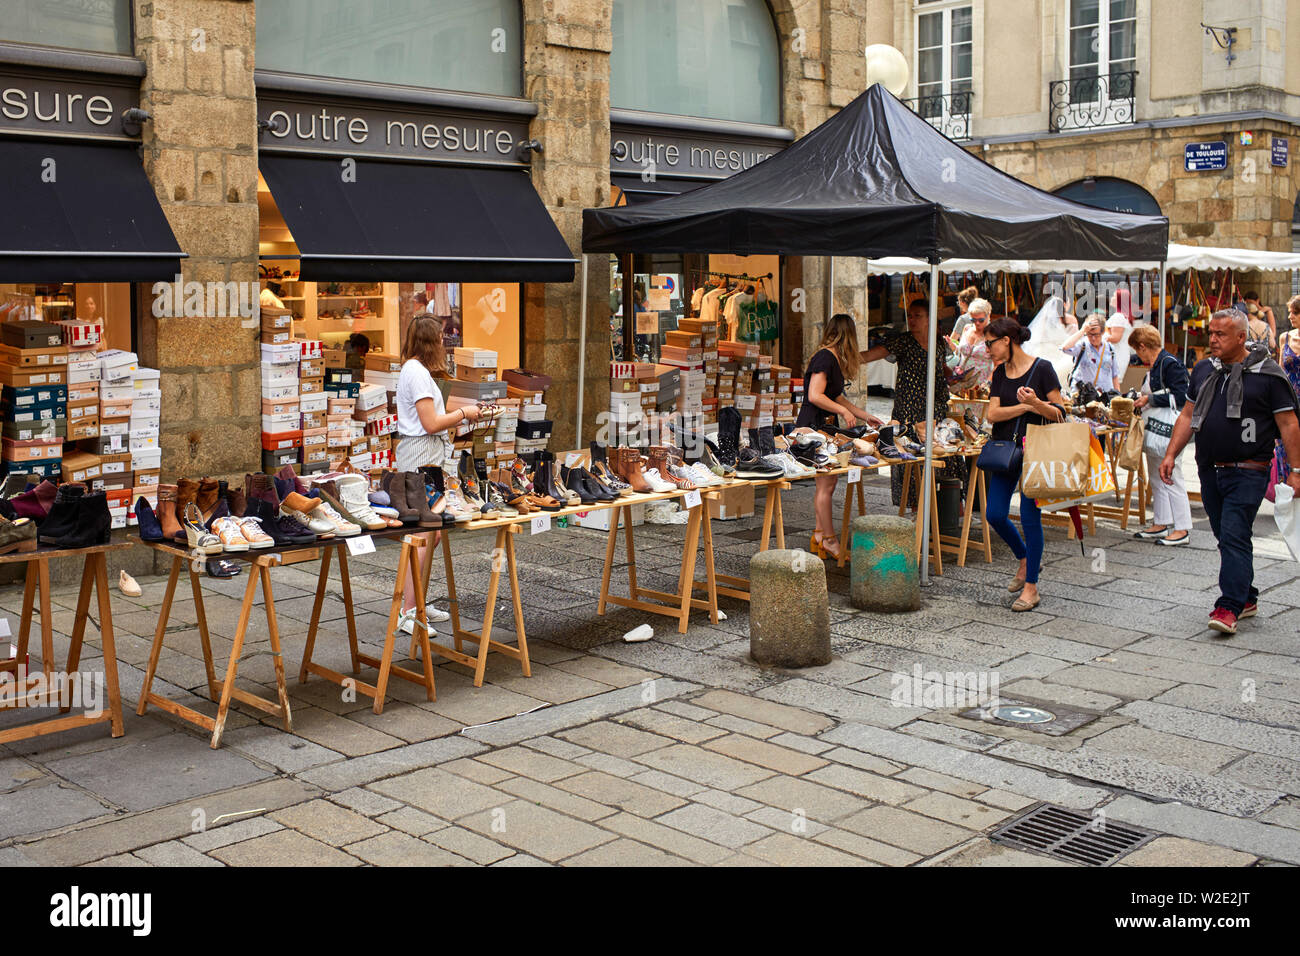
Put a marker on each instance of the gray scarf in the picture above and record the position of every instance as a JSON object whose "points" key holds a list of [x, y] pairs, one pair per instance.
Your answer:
{"points": [[1257, 360]]}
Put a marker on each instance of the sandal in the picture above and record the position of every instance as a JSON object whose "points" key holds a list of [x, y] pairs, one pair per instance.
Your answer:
{"points": [[815, 545], [830, 546]]}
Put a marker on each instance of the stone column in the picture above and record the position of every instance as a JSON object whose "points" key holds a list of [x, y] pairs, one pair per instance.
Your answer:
{"points": [[566, 73], [200, 152]]}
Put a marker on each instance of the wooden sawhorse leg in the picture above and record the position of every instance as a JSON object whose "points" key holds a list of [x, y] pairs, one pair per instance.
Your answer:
{"points": [[844, 525], [225, 692]]}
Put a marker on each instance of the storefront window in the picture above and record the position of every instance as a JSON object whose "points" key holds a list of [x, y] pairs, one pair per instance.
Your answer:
{"points": [[437, 44], [103, 26], [717, 58]]}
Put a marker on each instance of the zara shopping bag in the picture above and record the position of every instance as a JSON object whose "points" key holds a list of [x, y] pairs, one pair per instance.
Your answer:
{"points": [[1100, 482], [1056, 460]]}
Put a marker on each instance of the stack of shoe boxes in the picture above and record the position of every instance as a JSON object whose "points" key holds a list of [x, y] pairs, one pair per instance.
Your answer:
{"points": [[33, 399], [281, 415], [765, 387], [625, 412], [118, 370], [312, 407], [476, 381], [525, 389], [377, 427], [144, 443], [344, 436], [785, 408], [739, 371], [708, 339], [382, 369]]}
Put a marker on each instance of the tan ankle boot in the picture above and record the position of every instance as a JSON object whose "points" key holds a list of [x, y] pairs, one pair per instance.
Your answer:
{"points": [[207, 495], [171, 526], [187, 489], [630, 470]]}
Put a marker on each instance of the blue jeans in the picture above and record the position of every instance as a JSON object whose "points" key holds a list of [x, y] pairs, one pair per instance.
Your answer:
{"points": [[1000, 489], [1231, 497]]}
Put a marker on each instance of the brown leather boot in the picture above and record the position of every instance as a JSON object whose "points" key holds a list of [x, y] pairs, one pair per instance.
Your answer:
{"points": [[394, 484], [630, 470], [171, 526], [657, 457], [206, 497], [187, 490], [236, 501]]}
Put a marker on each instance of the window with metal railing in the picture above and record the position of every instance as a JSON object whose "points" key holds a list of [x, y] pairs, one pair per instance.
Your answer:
{"points": [[1100, 90], [944, 66]]}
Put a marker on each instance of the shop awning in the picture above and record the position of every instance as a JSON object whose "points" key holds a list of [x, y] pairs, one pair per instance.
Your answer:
{"points": [[81, 212], [637, 190], [415, 222]]}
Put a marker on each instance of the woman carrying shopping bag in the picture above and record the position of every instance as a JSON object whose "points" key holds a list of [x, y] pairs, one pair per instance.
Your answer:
{"points": [[1163, 395], [1024, 391]]}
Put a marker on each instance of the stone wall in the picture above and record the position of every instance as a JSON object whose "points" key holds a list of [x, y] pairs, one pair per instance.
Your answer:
{"points": [[200, 154]]}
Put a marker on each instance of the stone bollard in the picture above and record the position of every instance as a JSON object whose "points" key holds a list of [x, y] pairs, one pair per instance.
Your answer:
{"points": [[789, 616], [885, 574]]}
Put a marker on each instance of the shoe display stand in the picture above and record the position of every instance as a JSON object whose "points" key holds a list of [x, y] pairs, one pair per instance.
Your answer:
{"points": [[959, 545], [94, 575], [224, 692], [913, 473], [679, 604]]}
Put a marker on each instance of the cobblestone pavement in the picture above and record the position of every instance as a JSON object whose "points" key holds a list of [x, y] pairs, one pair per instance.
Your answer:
{"points": [[682, 751]]}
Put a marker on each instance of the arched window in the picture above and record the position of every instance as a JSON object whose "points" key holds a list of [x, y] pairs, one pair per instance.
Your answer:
{"points": [[436, 44], [1118, 195], [718, 59]]}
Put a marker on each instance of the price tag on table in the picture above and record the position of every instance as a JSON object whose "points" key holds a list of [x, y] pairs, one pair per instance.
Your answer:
{"points": [[855, 474], [540, 523], [573, 459], [362, 545], [692, 498]]}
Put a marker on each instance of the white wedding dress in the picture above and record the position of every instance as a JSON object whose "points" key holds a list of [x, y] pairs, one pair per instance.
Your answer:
{"points": [[1047, 333]]}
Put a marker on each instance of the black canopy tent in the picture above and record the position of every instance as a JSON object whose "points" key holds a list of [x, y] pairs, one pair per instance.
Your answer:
{"points": [[877, 180]]}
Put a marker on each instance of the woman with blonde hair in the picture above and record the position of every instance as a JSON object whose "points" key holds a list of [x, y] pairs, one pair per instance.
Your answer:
{"points": [[423, 426], [971, 347], [836, 361]]}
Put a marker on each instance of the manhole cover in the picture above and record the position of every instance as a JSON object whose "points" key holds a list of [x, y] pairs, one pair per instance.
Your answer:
{"points": [[1058, 721], [1023, 714], [1091, 840]]}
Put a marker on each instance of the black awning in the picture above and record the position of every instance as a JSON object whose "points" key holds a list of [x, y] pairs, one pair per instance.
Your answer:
{"points": [[638, 190], [415, 222], [80, 212]]}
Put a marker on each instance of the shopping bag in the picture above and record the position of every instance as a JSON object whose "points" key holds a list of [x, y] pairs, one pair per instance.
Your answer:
{"points": [[1158, 425], [1100, 482], [1130, 452], [1286, 512], [1056, 460]]}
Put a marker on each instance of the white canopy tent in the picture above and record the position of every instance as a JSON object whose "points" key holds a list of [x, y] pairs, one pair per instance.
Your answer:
{"points": [[1181, 258]]}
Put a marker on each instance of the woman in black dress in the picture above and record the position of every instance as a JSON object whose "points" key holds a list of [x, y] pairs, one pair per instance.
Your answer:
{"points": [[909, 348], [836, 359]]}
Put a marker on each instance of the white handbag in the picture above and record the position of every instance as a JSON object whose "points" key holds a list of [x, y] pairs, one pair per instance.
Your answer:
{"points": [[1157, 429], [1286, 512]]}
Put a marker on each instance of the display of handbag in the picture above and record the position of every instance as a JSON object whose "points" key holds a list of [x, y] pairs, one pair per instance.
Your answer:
{"points": [[1056, 460], [1130, 452]]}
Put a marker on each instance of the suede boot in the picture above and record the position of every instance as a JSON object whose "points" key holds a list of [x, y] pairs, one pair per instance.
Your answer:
{"points": [[417, 499], [167, 514], [262, 487], [36, 504], [187, 490], [393, 484], [62, 518], [93, 524], [207, 496], [237, 502]]}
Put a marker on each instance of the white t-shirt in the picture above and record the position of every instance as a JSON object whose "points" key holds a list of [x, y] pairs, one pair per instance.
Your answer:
{"points": [[414, 383]]}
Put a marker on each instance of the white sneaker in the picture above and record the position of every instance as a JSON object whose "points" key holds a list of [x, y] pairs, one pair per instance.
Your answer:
{"points": [[656, 483], [310, 520], [344, 529], [702, 476], [251, 528], [435, 615], [407, 621]]}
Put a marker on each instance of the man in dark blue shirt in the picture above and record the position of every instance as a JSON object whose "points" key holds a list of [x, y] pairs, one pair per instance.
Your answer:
{"points": [[1238, 404]]}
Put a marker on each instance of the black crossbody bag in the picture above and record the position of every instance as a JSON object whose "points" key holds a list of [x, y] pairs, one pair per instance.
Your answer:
{"points": [[1004, 456]]}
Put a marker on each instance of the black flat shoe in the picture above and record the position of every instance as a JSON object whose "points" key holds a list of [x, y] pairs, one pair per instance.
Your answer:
{"points": [[221, 568]]}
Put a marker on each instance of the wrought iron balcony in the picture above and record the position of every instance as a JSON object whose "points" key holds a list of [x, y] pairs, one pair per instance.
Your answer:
{"points": [[949, 113], [1092, 102]]}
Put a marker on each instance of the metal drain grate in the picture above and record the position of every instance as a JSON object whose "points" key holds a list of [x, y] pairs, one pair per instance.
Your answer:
{"points": [[1069, 835]]}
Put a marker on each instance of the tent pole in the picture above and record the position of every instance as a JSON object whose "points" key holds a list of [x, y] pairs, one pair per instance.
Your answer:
{"points": [[830, 287], [928, 474], [1162, 305], [582, 352]]}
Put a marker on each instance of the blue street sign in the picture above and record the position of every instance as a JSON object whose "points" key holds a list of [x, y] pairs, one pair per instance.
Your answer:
{"points": [[1281, 149], [1199, 156]]}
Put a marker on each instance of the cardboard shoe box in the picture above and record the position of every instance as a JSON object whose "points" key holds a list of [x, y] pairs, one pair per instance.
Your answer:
{"points": [[31, 335], [732, 502]]}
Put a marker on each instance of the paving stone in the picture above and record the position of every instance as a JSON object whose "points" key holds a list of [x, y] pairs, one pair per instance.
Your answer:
{"points": [[548, 796], [1137, 741], [563, 716], [682, 709], [44, 807], [328, 822], [945, 734], [283, 848], [1262, 771], [1286, 814], [1112, 682], [727, 802], [400, 849], [613, 737], [714, 825], [338, 733], [863, 761], [668, 783], [1004, 800], [669, 725], [786, 821], [866, 848], [625, 853], [1229, 703], [530, 763], [364, 801], [388, 763], [472, 769], [982, 852], [1215, 728], [616, 766], [703, 766], [441, 793], [765, 754], [806, 745], [406, 721], [536, 830], [555, 685], [522, 859], [740, 725], [823, 802], [668, 839], [121, 860], [288, 753], [181, 767], [623, 794], [787, 718], [939, 781], [557, 747], [410, 820], [905, 829], [604, 671], [1175, 851], [174, 853], [841, 703], [964, 813], [230, 833], [470, 845], [686, 665], [1059, 693], [471, 706], [867, 786], [978, 768]]}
